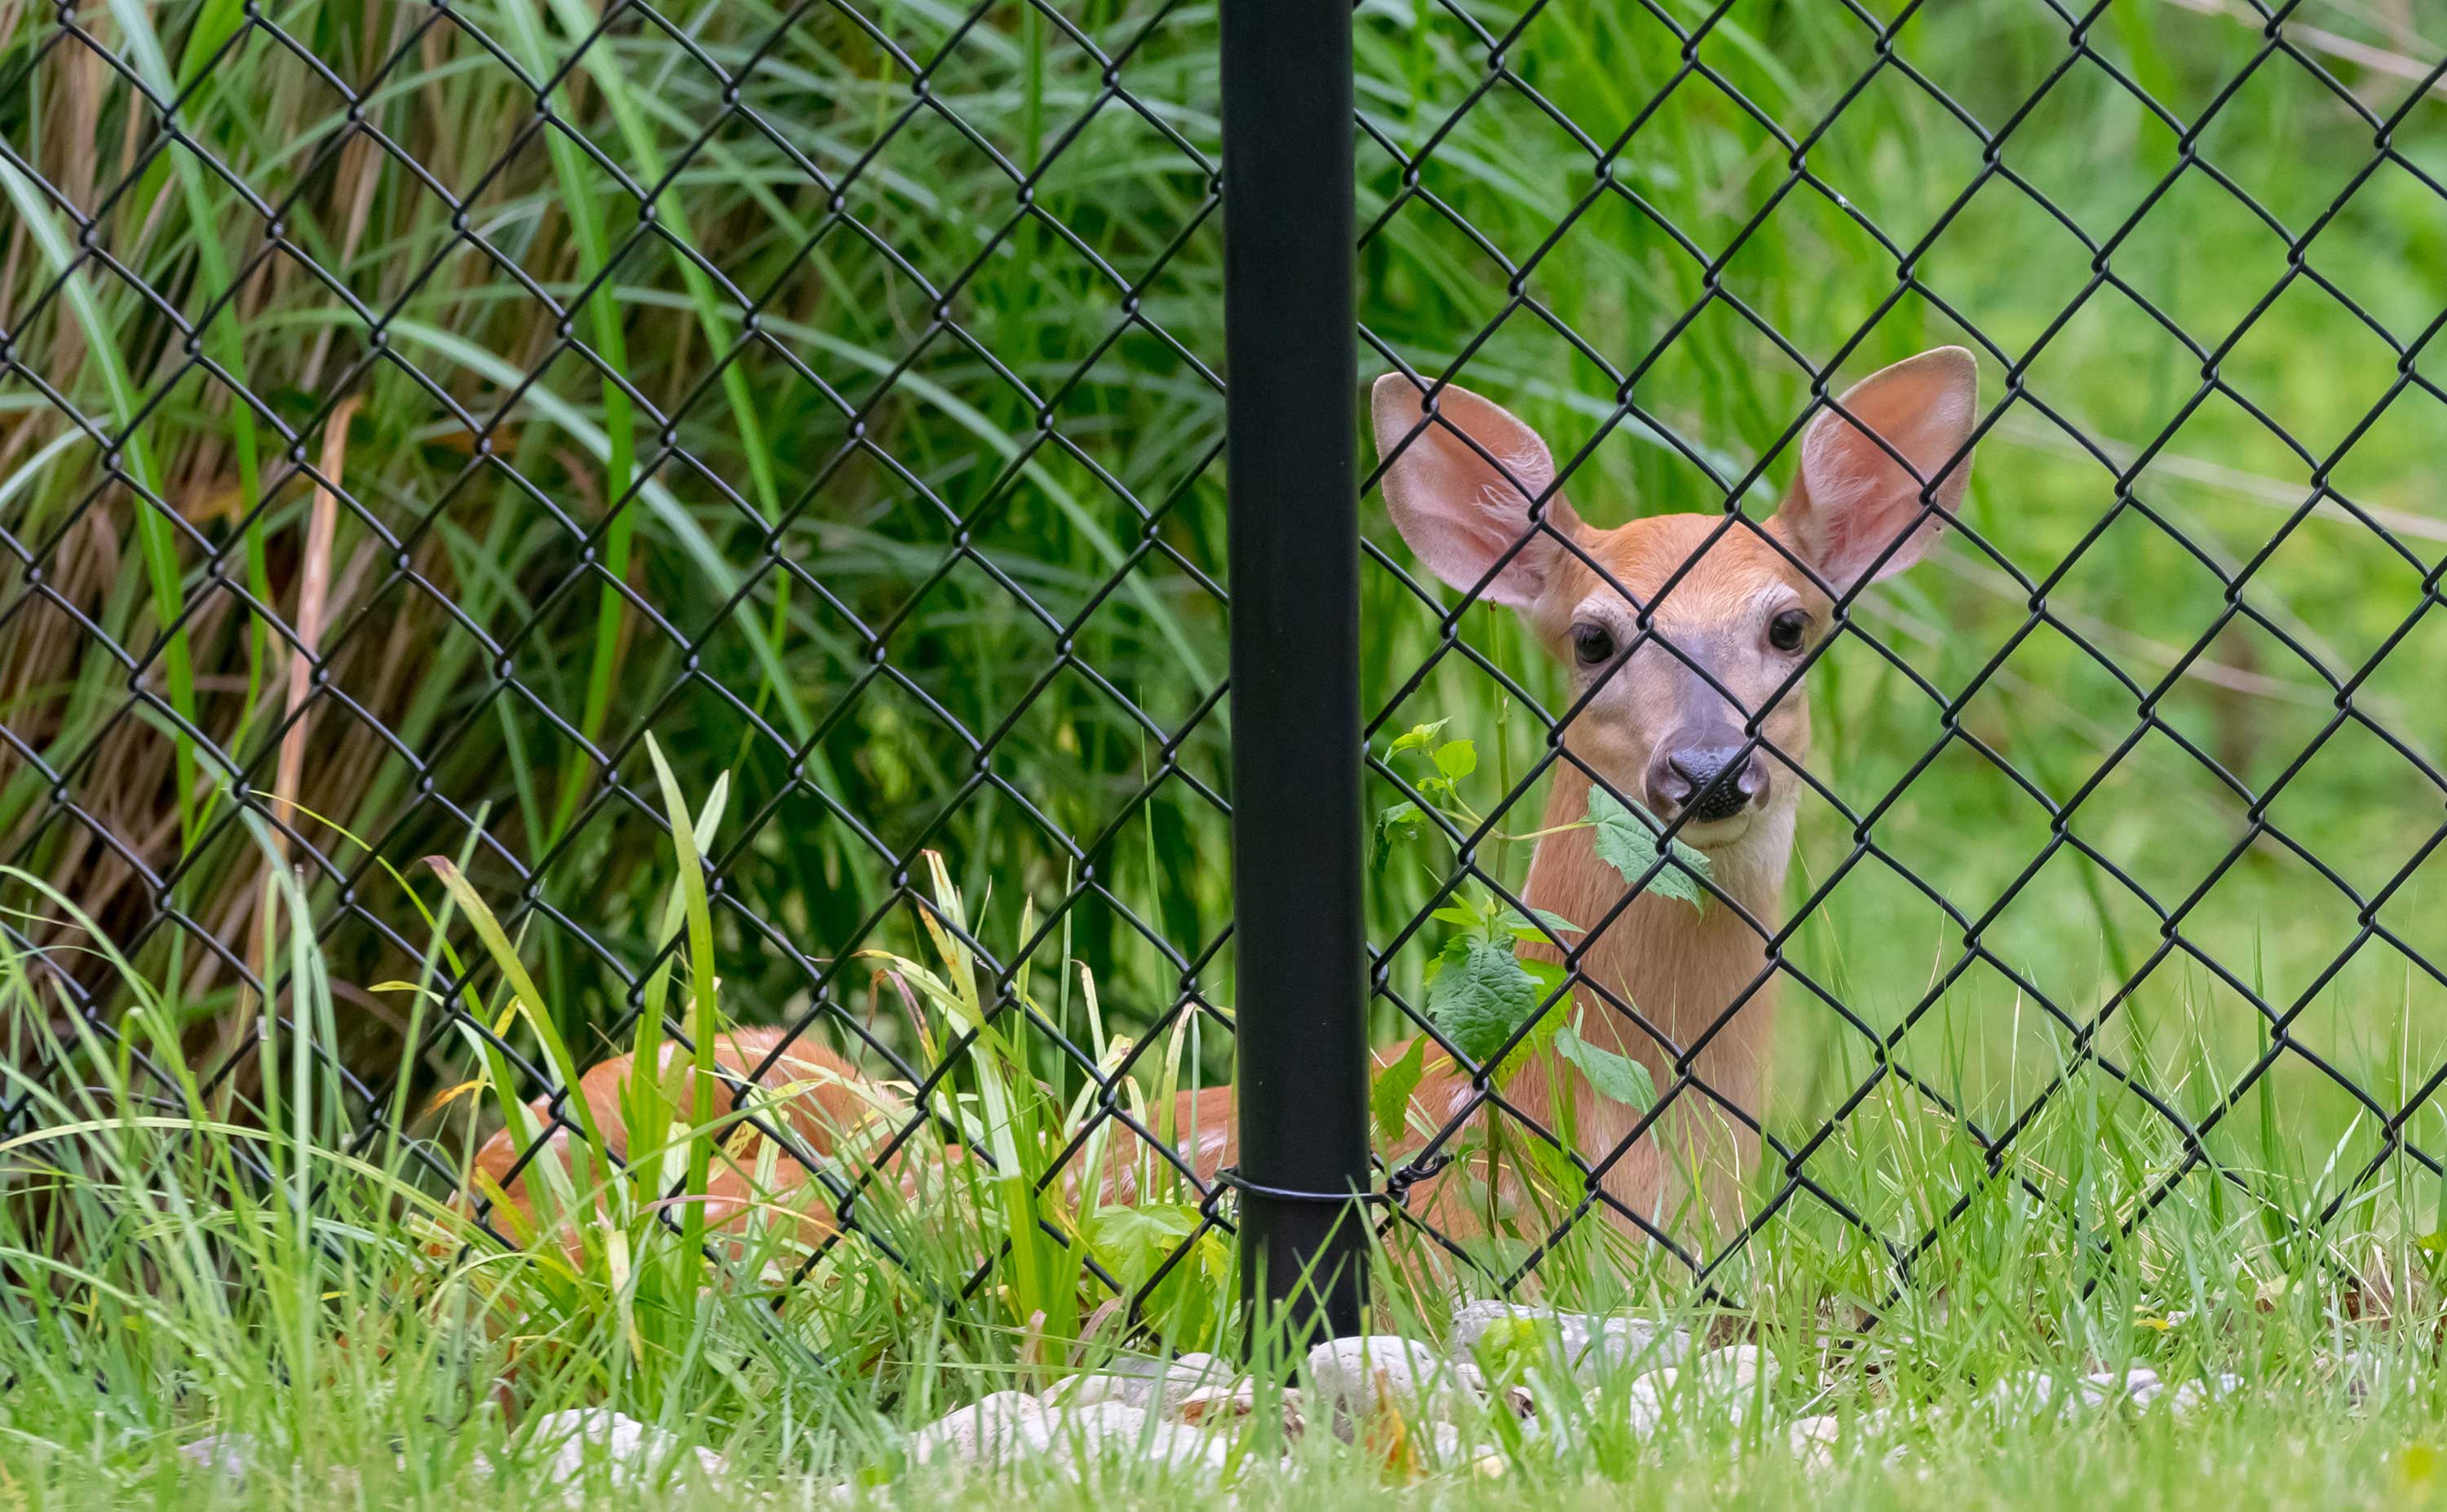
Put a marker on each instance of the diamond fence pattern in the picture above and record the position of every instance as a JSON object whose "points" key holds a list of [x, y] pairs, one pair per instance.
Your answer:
{"points": [[790, 544], [1483, 76], [762, 350]]}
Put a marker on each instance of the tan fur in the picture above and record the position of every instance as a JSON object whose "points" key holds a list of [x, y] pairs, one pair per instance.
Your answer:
{"points": [[831, 1102], [1709, 587], [1693, 977], [831, 1112]]}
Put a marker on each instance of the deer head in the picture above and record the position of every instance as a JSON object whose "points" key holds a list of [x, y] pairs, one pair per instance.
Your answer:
{"points": [[1684, 633]]}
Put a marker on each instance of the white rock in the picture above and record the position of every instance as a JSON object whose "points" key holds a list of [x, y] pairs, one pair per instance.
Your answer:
{"points": [[1155, 1384], [1228, 1405], [1592, 1346], [1220, 1403], [1812, 1439], [1115, 1432], [2040, 1391], [235, 1457], [991, 1429], [1102, 1386], [1125, 1379], [2138, 1386], [633, 1455], [1445, 1445], [1725, 1383], [1471, 1321], [1642, 1405], [2190, 1396], [1815, 1440], [1355, 1375], [1626, 1342], [1188, 1376]]}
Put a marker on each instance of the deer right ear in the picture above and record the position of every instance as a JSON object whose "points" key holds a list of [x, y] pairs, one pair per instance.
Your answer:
{"points": [[1855, 511], [1461, 485]]}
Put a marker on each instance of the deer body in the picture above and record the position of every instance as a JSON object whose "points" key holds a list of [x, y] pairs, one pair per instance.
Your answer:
{"points": [[1695, 977], [1685, 637]]}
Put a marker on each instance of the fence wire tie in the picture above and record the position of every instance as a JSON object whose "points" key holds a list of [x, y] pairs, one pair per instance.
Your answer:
{"points": [[1230, 1175], [1394, 1194]]}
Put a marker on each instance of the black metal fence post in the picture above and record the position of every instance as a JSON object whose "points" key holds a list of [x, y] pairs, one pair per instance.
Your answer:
{"points": [[1291, 412]]}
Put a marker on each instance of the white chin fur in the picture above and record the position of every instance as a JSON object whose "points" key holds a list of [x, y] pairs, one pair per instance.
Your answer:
{"points": [[1718, 833]]}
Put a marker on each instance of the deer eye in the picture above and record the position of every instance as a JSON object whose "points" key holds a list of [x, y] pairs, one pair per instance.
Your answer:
{"points": [[1787, 630], [1592, 644]]}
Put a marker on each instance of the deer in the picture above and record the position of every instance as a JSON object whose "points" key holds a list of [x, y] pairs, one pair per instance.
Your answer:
{"points": [[1684, 639]]}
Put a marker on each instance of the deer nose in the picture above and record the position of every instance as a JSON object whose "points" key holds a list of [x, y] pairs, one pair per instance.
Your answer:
{"points": [[1712, 781]]}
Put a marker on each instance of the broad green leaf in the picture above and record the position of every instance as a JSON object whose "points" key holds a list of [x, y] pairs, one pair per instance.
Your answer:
{"points": [[1629, 846], [1480, 995], [1419, 737], [1548, 977], [1133, 1242], [1457, 758], [1390, 1099], [1614, 1076]]}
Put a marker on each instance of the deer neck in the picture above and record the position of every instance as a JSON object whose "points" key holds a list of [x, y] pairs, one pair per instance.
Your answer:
{"points": [[1681, 968]]}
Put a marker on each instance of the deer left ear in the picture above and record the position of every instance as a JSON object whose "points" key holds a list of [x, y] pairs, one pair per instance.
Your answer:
{"points": [[1853, 499]]}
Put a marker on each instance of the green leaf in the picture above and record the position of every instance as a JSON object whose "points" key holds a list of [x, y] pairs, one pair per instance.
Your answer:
{"points": [[1510, 1347], [1419, 737], [1457, 758], [1133, 1242], [1557, 923], [1547, 978], [1390, 1099], [1628, 845], [1397, 825], [1479, 995], [1614, 1076], [1189, 1304]]}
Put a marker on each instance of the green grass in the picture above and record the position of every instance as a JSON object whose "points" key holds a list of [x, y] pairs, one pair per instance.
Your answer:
{"points": [[177, 1280], [164, 1285]]}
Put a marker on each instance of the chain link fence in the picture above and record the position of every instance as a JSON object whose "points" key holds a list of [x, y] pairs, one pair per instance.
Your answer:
{"points": [[2132, 643], [411, 410]]}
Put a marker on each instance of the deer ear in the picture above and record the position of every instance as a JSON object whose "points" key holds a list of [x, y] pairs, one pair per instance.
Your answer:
{"points": [[1853, 500], [1461, 490]]}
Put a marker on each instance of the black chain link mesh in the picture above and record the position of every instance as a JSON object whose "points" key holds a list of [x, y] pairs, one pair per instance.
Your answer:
{"points": [[719, 377], [1489, 81], [900, 269]]}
